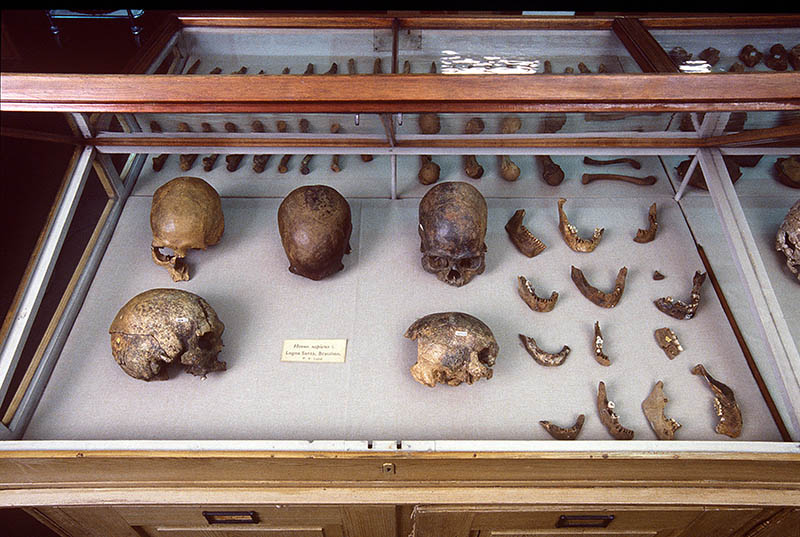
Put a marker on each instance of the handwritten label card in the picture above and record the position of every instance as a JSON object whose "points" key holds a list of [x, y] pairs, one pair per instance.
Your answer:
{"points": [[314, 350]]}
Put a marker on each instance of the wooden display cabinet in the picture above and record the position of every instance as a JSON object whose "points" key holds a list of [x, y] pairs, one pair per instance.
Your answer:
{"points": [[267, 448]]}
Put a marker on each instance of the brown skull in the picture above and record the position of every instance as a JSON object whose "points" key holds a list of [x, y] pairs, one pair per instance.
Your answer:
{"points": [[315, 226], [788, 239], [452, 230], [159, 326], [452, 348], [186, 214]]}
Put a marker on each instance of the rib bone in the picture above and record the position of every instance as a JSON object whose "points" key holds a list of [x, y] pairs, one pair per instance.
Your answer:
{"points": [[644, 181], [635, 164]]}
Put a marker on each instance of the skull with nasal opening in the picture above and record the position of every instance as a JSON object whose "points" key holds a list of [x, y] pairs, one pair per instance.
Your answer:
{"points": [[452, 231]]}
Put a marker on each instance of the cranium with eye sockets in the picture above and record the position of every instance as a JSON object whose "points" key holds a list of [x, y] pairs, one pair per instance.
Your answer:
{"points": [[452, 230], [186, 214], [452, 347], [161, 326], [788, 239]]}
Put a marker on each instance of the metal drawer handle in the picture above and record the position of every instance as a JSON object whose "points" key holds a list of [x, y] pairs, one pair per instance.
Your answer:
{"points": [[584, 521], [231, 517]]}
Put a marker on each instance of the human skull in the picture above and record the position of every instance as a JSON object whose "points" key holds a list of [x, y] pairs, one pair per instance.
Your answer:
{"points": [[186, 214], [788, 239], [314, 225], [452, 230], [159, 326], [452, 348]]}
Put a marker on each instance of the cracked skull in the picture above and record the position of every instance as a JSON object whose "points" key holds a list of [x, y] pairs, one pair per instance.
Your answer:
{"points": [[186, 214], [788, 239], [162, 326], [452, 348], [452, 230], [314, 224]]}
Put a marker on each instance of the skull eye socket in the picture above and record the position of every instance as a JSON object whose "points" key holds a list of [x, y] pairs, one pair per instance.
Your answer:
{"points": [[470, 263], [437, 262]]}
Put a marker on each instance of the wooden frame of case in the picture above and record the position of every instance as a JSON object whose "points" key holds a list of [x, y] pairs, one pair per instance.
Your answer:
{"points": [[384, 476]]}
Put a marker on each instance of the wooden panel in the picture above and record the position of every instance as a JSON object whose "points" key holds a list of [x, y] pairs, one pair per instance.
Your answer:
{"points": [[192, 516], [783, 523], [723, 522], [237, 532], [433, 522], [86, 521], [372, 521], [397, 93], [573, 533]]}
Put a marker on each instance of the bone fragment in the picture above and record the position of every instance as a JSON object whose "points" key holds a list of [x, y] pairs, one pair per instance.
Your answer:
{"points": [[668, 342], [653, 408], [242, 70], [553, 123], [208, 162], [788, 171], [678, 308], [305, 128], [643, 181], [523, 239], [283, 165], [158, 162], [259, 161], [428, 171], [570, 232], [749, 55], [582, 68], [541, 357], [604, 300], [406, 67], [730, 417], [569, 70], [777, 58], [215, 71], [658, 276], [709, 55], [377, 67], [335, 167], [605, 409], [635, 164], [472, 167], [285, 71], [429, 123], [647, 235], [599, 355], [508, 170], [351, 67], [548, 67], [552, 173], [432, 69], [186, 161], [561, 433], [333, 69], [528, 295], [232, 161], [193, 69], [309, 69]]}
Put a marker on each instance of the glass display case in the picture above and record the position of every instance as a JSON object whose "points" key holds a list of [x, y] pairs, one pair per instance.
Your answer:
{"points": [[570, 119]]}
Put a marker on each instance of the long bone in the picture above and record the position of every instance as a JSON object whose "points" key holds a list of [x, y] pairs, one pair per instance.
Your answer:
{"points": [[428, 171], [259, 161], [208, 162], [186, 161], [305, 128], [678, 308], [232, 161], [528, 295], [158, 162], [642, 181], [647, 235], [604, 300], [605, 409], [283, 165], [653, 408], [570, 232], [335, 167], [472, 167], [725, 405], [562, 433], [508, 170], [633, 163], [521, 237], [541, 357]]}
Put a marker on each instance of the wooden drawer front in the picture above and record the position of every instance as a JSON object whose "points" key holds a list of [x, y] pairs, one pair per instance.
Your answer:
{"points": [[509, 521], [236, 532], [283, 516]]}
